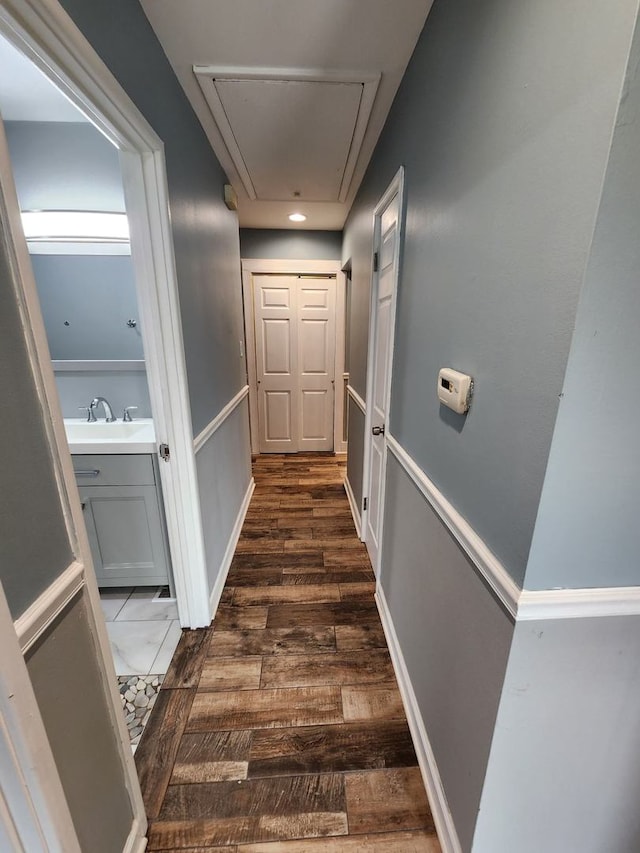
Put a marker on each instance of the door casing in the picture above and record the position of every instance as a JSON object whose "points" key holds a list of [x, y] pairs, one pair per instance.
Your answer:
{"points": [[396, 187], [251, 267]]}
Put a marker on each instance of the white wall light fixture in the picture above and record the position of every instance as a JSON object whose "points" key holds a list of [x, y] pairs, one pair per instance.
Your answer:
{"points": [[90, 232], [297, 217]]}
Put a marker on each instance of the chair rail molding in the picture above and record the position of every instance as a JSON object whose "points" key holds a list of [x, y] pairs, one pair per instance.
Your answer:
{"points": [[523, 605], [357, 399], [214, 425]]}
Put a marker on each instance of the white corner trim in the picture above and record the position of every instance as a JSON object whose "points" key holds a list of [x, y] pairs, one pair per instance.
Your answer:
{"points": [[223, 571], [442, 817], [35, 620], [203, 437], [136, 841], [578, 603], [486, 562], [354, 507], [357, 399]]}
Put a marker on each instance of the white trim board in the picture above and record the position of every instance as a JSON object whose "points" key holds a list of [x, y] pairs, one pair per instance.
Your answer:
{"points": [[213, 426], [36, 618], [216, 592], [523, 605], [442, 817], [354, 507], [488, 564], [543, 604], [357, 399]]}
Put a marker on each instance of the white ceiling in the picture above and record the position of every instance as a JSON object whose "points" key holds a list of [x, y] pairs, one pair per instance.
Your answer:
{"points": [[26, 94], [295, 117]]}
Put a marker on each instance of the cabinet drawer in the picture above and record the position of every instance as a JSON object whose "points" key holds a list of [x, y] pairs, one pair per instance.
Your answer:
{"points": [[113, 470]]}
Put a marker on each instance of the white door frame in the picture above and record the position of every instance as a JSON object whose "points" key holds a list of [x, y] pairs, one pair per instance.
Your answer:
{"points": [[396, 187], [46, 34], [251, 267]]}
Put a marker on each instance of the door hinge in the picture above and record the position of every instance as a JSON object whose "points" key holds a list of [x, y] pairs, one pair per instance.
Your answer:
{"points": [[364, 504], [375, 262], [164, 451]]}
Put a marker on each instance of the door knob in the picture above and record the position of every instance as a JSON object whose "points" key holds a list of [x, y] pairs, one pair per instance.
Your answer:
{"points": [[378, 430]]}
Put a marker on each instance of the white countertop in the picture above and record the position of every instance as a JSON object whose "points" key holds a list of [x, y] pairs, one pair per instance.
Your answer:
{"points": [[138, 436]]}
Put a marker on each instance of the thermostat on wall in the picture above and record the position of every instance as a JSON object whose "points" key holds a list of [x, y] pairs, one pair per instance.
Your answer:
{"points": [[454, 389]]}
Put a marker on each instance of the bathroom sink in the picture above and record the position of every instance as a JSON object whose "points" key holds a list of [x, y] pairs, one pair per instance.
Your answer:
{"points": [[117, 437]]}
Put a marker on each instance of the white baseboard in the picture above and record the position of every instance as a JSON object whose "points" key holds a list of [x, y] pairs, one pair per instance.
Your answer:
{"points": [[216, 592], [442, 817], [354, 507]]}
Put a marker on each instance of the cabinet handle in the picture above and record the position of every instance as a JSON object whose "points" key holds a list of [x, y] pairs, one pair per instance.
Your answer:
{"points": [[91, 472]]}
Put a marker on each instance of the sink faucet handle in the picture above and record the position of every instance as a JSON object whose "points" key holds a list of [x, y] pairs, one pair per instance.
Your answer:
{"points": [[91, 418], [126, 417]]}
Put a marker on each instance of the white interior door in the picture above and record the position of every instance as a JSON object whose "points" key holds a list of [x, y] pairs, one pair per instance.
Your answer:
{"points": [[381, 330], [316, 362], [295, 362], [277, 362]]}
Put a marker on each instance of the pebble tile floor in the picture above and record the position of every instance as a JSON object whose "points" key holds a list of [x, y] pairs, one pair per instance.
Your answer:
{"points": [[280, 728]]}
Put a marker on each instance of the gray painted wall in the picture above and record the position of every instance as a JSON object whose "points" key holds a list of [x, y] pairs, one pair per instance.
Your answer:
{"points": [[503, 122], [34, 547], [120, 388], [564, 774], [355, 451], [64, 167], [72, 166], [224, 473], [69, 691], [95, 295], [587, 533], [455, 640], [290, 244], [205, 233]]}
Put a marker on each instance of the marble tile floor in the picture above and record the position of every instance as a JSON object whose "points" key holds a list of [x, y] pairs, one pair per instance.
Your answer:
{"points": [[143, 629]]}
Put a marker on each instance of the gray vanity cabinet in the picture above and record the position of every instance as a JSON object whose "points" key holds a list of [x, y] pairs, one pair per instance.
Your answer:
{"points": [[124, 519]]}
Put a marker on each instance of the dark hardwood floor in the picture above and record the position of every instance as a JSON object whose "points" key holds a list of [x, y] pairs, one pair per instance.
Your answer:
{"points": [[280, 728]]}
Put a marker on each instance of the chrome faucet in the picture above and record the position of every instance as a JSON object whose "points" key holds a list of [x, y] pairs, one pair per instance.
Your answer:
{"points": [[108, 412]]}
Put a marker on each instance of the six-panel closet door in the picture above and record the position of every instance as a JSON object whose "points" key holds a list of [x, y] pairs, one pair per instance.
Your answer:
{"points": [[295, 361]]}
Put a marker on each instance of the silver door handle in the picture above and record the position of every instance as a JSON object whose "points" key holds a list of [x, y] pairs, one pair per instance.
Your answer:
{"points": [[378, 430], [92, 472]]}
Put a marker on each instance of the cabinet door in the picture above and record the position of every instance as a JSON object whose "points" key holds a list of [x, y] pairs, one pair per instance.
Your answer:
{"points": [[126, 534]]}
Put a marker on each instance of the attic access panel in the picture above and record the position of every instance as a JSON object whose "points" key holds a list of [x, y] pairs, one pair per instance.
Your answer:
{"points": [[290, 131]]}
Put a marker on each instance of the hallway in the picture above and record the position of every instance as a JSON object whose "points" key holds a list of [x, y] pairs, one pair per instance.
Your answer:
{"points": [[283, 720]]}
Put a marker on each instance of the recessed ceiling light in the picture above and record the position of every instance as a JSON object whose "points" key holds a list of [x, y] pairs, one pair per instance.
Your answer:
{"points": [[297, 217]]}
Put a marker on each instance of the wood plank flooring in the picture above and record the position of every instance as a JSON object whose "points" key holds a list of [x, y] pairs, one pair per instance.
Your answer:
{"points": [[280, 729]]}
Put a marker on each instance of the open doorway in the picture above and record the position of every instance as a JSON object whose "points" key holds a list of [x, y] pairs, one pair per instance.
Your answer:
{"points": [[152, 571], [70, 189]]}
